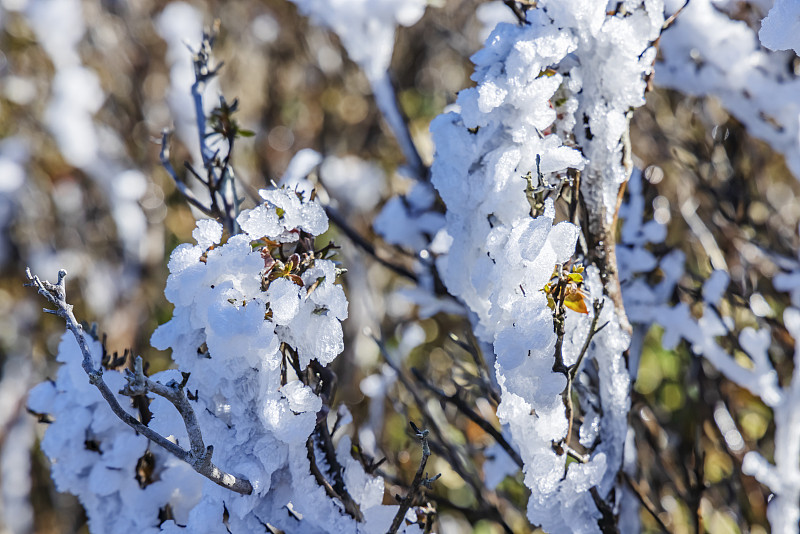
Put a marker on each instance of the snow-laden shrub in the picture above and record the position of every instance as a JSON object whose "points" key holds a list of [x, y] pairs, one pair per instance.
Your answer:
{"points": [[531, 167], [251, 314]]}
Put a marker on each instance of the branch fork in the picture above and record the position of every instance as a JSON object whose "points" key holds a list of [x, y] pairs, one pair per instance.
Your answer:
{"points": [[199, 457]]}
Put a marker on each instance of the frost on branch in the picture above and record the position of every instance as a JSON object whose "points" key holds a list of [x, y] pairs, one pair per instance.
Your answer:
{"points": [[708, 52], [644, 302], [552, 99], [754, 372], [256, 319], [741, 355]]}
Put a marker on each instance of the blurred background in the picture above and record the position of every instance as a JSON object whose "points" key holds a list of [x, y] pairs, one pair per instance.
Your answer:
{"points": [[86, 89]]}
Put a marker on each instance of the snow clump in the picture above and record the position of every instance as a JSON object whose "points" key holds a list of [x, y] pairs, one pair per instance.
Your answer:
{"points": [[243, 307]]}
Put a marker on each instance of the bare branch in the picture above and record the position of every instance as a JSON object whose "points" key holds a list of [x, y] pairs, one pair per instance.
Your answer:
{"points": [[420, 479], [203, 72], [645, 501], [573, 371], [464, 408], [559, 317], [365, 245], [219, 180], [486, 498], [182, 189], [199, 458], [448, 451]]}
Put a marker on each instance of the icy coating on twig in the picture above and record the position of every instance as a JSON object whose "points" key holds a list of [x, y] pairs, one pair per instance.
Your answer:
{"points": [[708, 52], [198, 457], [650, 304], [552, 100]]}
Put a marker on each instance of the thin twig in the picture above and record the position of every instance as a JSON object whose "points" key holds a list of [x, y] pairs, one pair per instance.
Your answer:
{"points": [[325, 441], [698, 453], [451, 455], [199, 457], [350, 505], [470, 514], [464, 408], [182, 189], [598, 307], [420, 479], [203, 72], [442, 447], [365, 245], [573, 371], [312, 460], [645, 501], [666, 457], [558, 320], [217, 172], [671, 19], [189, 167], [576, 191], [518, 12], [226, 176]]}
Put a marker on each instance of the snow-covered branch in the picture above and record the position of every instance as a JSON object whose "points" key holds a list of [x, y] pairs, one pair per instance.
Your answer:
{"points": [[199, 457], [543, 108]]}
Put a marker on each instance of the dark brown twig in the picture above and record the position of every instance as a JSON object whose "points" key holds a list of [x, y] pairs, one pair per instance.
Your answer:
{"points": [[365, 245], [182, 189], [644, 500], [559, 317], [325, 441], [452, 456], [442, 447], [350, 506], [420, 479], [573, 371], [518, 11], [464, 408]]}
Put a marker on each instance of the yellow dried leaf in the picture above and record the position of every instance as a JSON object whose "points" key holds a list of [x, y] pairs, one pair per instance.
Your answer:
{"points": [[574, 301]]}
